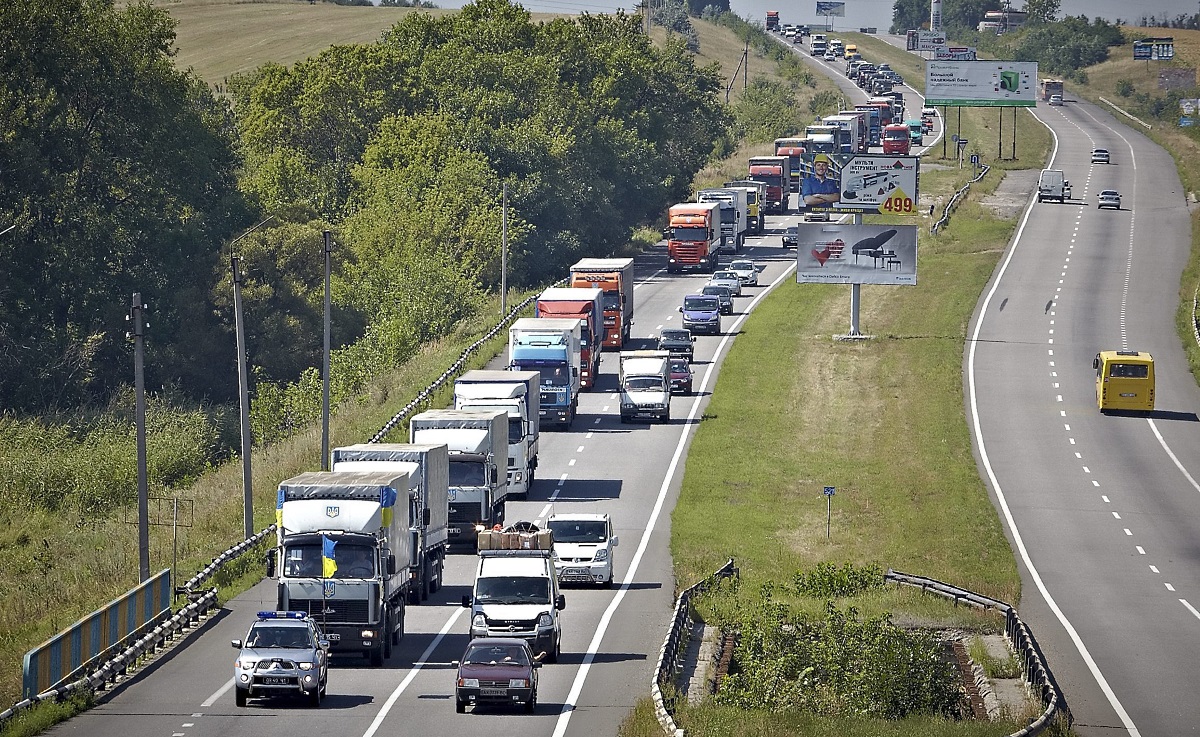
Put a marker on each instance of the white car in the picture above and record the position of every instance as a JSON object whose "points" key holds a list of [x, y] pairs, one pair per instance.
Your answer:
{"points": [[746, 271], [1100, 156], [1056, 100], [1109, 198], [729, 279], [583, 547]]}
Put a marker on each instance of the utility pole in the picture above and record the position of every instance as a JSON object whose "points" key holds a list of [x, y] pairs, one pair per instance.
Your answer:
{"points": [[138, 325], [504, 249], [325, 363], [243, 399]]}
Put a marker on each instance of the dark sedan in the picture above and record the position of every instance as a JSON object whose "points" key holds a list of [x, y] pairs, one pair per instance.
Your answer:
{"points": [[497, 670], [678, 342]]}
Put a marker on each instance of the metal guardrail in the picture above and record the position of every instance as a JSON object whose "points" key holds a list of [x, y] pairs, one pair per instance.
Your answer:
{"points": [[668, 658], [1033, 666], [954, 200], [1114, 106]]}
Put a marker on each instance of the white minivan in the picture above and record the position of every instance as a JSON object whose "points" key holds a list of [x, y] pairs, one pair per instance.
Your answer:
{"points": [[1053, 185]]}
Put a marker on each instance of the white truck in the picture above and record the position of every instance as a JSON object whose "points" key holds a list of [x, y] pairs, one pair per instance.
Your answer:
{"points": [[517, 393], [645, 385], [851, 141], [477, 441], [583, 545], [343, 556], [1053, 185], [428, 469], [552, 347], [735, 216], [516, 595]]}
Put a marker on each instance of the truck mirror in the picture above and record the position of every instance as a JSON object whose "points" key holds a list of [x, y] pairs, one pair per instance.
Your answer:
{"points": [[574, 372], [391, 565], [425, 517], [271, 564], [495, 475], [466, 601], [1095, 365], [615, 540], [560, 603], [681, 309]]}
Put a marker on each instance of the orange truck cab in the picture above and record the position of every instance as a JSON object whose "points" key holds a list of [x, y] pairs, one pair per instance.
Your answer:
{"points": [[694, 237], [793, 149], [773, 172], [614, 277]]}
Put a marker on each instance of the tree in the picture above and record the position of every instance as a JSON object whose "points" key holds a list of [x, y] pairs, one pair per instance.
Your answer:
{"points": [[1042, 11], [119, 177]]}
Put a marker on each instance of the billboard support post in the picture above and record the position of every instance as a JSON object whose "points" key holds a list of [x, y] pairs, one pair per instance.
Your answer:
{"points": [[1000, 138], [855, 296], [1014, 135]]}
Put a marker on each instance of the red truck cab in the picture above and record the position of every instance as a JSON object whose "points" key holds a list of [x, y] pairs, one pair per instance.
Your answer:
{"points": [[897, 139]]}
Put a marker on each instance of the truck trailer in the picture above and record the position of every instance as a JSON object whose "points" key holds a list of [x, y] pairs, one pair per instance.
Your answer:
{"points": [[517, 393], [735, 216], [614, 276]]}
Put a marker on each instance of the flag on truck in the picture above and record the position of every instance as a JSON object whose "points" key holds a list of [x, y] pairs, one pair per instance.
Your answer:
{"points": [[328, 564]]}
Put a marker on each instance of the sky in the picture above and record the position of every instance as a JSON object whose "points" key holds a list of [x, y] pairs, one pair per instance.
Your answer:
{"points": [[863, 13]]}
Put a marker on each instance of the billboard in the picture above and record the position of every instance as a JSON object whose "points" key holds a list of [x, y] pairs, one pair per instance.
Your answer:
{"points": [[859, 183], [831, 8], [955, 53], [1155, 49], [981, 83], [837, 253], [925, 40]]}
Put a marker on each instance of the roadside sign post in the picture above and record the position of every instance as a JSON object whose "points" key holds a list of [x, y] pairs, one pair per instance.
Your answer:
{"points": [[829, 491], [975, 164], [962, 147]]}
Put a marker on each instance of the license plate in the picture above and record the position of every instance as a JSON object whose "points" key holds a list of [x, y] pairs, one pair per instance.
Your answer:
{"points": [[333, 637], [275, 681], [575, 572], [455, 530], [493, 692]]}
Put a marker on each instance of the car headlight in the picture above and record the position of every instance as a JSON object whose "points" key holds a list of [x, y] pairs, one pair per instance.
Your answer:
{"points": [[245, 664], [468, 682], [370, 634], [628, 405], [518, 683], [305, 666], [602, 554], [479, 621], [545, 620]]}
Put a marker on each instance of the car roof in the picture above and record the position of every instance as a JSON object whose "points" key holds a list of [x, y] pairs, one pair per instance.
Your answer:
{"points": [[593, 516], [673, 332], [739, 263], [1109, 191], [497, 641]]}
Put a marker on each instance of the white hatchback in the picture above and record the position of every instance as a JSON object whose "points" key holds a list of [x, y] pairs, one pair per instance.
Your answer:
{"points": [[1100, 156]]}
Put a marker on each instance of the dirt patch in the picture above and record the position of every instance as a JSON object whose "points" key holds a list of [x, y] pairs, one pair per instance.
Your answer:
{"points": [[1012, 194]]}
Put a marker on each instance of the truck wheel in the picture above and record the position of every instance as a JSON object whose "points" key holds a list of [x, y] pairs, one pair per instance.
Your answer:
{"points": [[460, 706], [552, 657], [440, 568], [666, 418]]}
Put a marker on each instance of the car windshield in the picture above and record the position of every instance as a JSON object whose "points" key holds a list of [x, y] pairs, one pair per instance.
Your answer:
{"points": [[496, 655], [675, 336], [679, 367], [578, 530], [268, 635], [513, 590], [700, 304], [724, 275], [719, 291], [348, 560], [644, 384], [742, 266]]}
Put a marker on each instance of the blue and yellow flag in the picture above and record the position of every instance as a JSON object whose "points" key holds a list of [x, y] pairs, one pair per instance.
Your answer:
{"points": [[328, 564], [279, 497], [387, 503]]}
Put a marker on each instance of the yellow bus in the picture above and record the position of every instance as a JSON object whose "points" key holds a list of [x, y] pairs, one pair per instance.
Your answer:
{"points": [[1124, 381], [851, 50]]}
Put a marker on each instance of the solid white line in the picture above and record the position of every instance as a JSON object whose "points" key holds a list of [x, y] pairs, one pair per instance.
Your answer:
{"points": [[412, 673], [220, 692], [1171, 454], [1003, 500], [1191, 608], [568, 708]]}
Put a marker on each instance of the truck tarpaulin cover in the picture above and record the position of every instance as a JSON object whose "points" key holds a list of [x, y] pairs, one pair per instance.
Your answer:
{"points": [[836, 253], [831, 8]]}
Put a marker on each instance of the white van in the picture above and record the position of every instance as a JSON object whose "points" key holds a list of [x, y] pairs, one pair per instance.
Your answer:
{"points": [[516, 595], [1053, 185]]}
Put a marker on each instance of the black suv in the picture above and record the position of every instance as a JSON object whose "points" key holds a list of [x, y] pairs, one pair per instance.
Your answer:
{"points": [[678, 342], [791, 237]]}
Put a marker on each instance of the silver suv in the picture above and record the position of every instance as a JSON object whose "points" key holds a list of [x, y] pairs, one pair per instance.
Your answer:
{"points": [[284, 654]]}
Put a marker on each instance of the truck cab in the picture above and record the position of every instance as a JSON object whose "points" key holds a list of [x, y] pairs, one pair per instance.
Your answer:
{"points": [[897, 139]]}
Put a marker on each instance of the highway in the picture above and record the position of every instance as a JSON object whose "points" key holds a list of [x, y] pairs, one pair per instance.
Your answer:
{"points": [[611, 638], [1101, 510]]}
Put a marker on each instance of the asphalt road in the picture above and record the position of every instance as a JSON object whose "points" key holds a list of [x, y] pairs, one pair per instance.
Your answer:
{"points": [[611, 638]]}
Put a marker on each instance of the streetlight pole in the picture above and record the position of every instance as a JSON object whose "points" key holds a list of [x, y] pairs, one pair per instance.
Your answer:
{"points": [[138, 325], [504, 249], [325, 364]]}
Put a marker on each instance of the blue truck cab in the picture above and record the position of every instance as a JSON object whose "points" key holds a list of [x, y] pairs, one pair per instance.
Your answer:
{"points": [[556, 358]]}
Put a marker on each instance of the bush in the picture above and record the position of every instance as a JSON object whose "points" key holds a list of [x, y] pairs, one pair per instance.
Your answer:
{"points": [[1124, 87]]}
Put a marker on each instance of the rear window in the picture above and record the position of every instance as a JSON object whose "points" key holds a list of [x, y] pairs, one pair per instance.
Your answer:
{"points": [[1129, 371]]}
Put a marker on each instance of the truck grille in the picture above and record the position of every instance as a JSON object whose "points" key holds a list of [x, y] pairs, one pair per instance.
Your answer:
{"points": [[334, 611], [687, 253]]}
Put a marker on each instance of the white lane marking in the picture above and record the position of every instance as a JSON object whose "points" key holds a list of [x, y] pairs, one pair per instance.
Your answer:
{"points": [[412, 673], [1154, 569], [562, 479], [1169, 587], [1191, 608], [1116, 515], [1128, 532], [568, 707], [1140, 549], [571, 462], [220, 692], [597, 422], [1171, 454], [588, 436], [1002, 499], [1104, 498], [545, 511], [579, 449]]}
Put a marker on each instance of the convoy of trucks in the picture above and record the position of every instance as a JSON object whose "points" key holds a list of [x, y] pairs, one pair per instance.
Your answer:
{"points": [[343, 556], [694, 236], [517, 393], [476, 440], [645, 385], [550, 346], [587, 305], [735, 216], [428, 497], [773, 173], [793, 149], [614, 276]]}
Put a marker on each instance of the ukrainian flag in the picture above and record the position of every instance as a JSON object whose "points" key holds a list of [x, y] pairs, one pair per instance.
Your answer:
{"points": [[387, 504], [279, 497], [328, 564]]}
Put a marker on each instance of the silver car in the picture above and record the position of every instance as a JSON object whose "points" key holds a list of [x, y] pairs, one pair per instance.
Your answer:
{"points": [[1109, 198], [1100, 156], [726, 278], [284, 654], [746, 270]]}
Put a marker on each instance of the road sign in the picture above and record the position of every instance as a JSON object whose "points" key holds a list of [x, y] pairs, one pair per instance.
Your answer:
{"points": [[954, 138], [829, 490], [975, 159], [962, 143]]}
